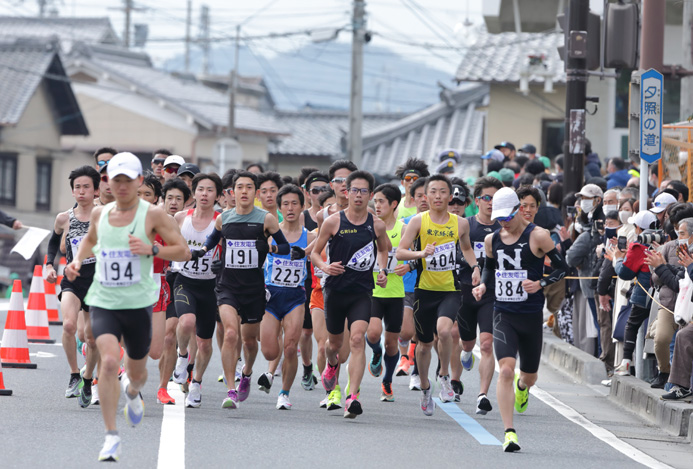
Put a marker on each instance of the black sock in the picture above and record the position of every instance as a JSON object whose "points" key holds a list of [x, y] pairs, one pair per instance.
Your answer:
{"points": [[183, 356], [307, 369], [509, 430], [87, 382], [196, 381], [405, 356], [74, 375], [190, 367], [245, 375]]}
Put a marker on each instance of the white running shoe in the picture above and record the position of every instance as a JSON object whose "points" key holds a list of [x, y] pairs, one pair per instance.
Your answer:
{"points": [[134, 408], [194, 397], [624, 368], [111, 449], [467, 360], [95, 394], [323, 403], [446, 392], [265, 382], [427, 404], [283, 402], [415, 383], [180, 372]]}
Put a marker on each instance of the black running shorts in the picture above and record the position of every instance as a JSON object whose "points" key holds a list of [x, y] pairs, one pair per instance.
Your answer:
{"points": [[134, 326], [196, 296], [390, 310], [431, 305], [251, 308], [79, 288], [345, 305], [472, 314], [519, 333], [171, 308]]}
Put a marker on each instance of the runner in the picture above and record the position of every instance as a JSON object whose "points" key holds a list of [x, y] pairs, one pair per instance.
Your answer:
{"points": [[475, 313], [349, 285], [437, 297], [241, 288], [120, 235], [157, 163], [284, 278], [171, 165], [102, 156], [270, 183], [193, 291], [408, 173], [515, 264], [74, 224], [387, 303]]}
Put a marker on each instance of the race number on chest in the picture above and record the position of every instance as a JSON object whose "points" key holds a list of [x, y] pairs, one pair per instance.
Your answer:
{"points": [[362, 259], [241, 254], [121, 268], [288, 273], [509, 285], [442, 259]]}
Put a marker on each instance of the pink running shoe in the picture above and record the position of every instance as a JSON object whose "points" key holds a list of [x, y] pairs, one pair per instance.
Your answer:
{"points": [[243, 388], [329, 376]]}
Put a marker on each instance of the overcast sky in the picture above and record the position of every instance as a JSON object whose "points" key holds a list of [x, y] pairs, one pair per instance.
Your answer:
{"points": [[444, 24]]}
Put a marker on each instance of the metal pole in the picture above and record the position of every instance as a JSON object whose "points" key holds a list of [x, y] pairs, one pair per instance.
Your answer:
{"points": [[188, 20], [687, 61], [128, 11], [354, 143], [234, 86], [576, 90]]}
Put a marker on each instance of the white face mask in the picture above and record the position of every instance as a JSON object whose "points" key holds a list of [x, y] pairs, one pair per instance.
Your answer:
{"points": [[624, 215], [586, 205], [682, 242], [610, 208]]}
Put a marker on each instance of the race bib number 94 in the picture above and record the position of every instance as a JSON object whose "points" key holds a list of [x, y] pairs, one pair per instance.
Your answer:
{"points": [[241, 254], [362, 259], [443, 259], [121, 268], [287, 273], [509, 285]]}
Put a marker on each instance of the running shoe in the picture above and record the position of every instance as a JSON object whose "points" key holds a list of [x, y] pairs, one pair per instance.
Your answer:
{"points": [[457, 388], [221, 379], [483, 405], [323, 403], [283, 402], [446, 392], [231, 401], [387, 394], [264, 382], [352, 408], [278, 371], [164, 398], [624, 369], [467, 360], [329, 376], [376, 365], [84, 398], [180, 372], [415, 383], [185, 387], [74, 386], [676, 394], [111, 449], [244, 388], [427, 404], [334, 401], [308, 381], [510, 445], [521, 397], [134, 408], [402, 367], [95, 394], [239, 369], [194, 397]]}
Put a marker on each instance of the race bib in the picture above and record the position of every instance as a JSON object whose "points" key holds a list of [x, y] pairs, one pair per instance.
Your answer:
{"points": [[241, 254], [391, 261], [509, 285], [442, 259], [479, 250], [287, 273], [199, 268], [362, 259], [121, 268], [74, 247]]}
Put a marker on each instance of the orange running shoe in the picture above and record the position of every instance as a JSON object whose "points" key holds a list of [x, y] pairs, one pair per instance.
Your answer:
{"points": [[403, 367], [163, 397], [412, 352]]}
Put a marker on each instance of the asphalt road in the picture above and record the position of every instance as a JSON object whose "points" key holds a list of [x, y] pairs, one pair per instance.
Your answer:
{"points": [[566, 424]]}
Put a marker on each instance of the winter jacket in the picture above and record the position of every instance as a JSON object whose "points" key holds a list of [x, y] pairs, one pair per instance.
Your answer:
{"points": [[606, 284], [618, 178], [593, 167], [633, 266], [667, 276], [5, 219], [582, 255]]}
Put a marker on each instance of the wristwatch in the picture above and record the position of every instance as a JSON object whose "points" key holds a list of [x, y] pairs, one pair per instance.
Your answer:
{"points": [[542, 283], [385, 271], [155, 250]]}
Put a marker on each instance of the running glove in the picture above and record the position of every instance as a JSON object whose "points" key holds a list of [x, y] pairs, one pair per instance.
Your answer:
{"points": [[196, 254], [217, 267]]}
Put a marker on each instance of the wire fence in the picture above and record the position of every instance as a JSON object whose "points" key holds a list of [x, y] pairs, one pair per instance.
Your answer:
{"points": [[677, 150]]}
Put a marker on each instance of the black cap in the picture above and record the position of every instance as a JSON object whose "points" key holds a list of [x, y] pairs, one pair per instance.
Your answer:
{"points": [[188, 168], [529, 148], [507, 145], [458, 193]]}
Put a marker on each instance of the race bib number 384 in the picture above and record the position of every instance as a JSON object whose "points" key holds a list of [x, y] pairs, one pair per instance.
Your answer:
{"points": [[121, 268], [509, 285], [241, 254], [442, 259]]}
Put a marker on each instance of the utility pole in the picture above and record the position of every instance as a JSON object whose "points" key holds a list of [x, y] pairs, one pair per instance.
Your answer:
{"points": [[188, 20], [204, 38], [126, 33], [233, 85], [354, 142], [576, 90]]}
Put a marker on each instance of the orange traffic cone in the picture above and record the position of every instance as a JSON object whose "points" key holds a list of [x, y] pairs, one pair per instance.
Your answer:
{"points": [[36, 313], [52, 304], [14, 352], [3, 391]]}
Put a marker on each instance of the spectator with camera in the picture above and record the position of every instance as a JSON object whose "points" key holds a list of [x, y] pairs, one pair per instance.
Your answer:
{"points": [[667, 271], [631, 266]]}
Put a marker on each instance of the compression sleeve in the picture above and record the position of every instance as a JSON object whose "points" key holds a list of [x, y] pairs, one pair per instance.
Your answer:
{"points": [[53, 246], [489, 272], [559, 268], [283, 246], [212, 240]]}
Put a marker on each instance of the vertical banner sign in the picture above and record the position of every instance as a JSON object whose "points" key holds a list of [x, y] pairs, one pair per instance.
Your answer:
{"points": [[651, 115]]}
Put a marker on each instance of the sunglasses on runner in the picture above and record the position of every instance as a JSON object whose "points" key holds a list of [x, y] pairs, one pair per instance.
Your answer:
{"points": [[509, 217], [339, 180], [171, 169], [158, 161], [318, 190], [485, 198], [102, 163], [410, 177], [455, 202], [228, 191]]}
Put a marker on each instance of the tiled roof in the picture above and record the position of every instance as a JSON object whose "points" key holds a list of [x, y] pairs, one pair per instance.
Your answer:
{"points": [[68, 30], [454, 122], [320, 133], [24, 64], [501, 58]]}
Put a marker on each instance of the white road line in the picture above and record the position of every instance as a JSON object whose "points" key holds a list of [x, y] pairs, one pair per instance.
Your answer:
{"points": [[601, 433], [172, 442]]}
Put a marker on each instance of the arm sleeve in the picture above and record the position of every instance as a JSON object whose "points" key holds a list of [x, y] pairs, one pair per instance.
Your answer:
{"points": [[559, 267], [212, 240], [53, 246], [489, 272], [283, 246]]}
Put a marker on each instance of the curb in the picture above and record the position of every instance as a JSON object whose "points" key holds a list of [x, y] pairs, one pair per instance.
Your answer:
{"points": [[572, 361], [637, 396]]}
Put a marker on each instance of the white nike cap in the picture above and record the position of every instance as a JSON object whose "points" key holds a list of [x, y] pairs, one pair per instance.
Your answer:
{"points": [[645, 220], [662, 201], [126, 164], [504, 201]]}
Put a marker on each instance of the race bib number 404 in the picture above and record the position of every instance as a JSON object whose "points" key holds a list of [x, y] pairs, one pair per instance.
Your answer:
{"points": [[241, 254], [288, 273], [121, 268], [442, 259], [362, 259], [509, 285]]}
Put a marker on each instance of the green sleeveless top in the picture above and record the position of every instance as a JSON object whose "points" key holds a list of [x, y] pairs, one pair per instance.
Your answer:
{"points": [[122, 279], [395, 283], [404, 212]]}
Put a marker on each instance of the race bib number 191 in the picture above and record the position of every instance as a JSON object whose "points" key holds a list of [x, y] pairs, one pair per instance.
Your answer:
{"points": [[509, 285], [121, 268], [241, 254], [362, 259], [442, 259]]}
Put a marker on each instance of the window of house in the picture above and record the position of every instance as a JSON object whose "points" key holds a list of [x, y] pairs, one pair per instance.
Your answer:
{"points": [[552, 134], [43, 184], [8, 179]]}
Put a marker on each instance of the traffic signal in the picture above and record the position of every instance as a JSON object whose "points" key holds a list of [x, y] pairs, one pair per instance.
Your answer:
{"points": [[581, 44], [621, 36]]}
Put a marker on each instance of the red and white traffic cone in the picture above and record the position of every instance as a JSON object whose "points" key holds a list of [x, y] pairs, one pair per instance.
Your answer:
{"points": [[36, 313], [3, 391], [14, 352]]}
